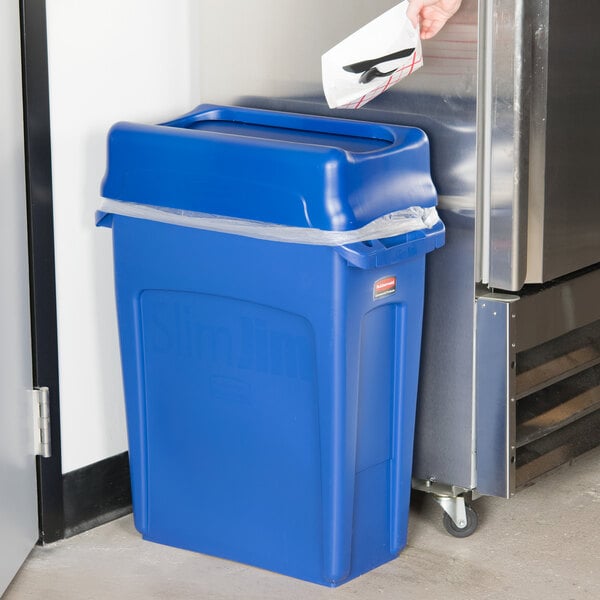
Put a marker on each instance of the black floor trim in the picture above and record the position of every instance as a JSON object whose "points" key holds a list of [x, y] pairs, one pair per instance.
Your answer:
{"points": [[96, 494]]}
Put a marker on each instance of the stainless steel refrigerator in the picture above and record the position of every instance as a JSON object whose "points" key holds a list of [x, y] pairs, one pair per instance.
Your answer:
{"points": [[509, 97]]}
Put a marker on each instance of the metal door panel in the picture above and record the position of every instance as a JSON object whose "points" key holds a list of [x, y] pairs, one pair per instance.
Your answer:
{"points": [[18, 496], [572, 192], [542, 130]]}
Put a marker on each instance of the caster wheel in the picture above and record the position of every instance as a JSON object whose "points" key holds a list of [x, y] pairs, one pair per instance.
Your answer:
{"points": [[461, 532]]}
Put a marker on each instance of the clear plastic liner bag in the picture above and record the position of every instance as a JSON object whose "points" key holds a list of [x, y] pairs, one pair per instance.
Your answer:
{"points": [[397, 223]]}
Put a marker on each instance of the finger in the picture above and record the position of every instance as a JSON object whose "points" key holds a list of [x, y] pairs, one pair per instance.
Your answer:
{"points": [[430, 28], [413, 10]]}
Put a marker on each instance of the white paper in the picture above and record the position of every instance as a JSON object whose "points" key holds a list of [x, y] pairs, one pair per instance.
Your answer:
{"points": [[371, 60]]}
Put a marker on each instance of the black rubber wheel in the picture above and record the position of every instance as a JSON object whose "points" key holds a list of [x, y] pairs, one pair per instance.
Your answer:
{"points": [[461, 532]]}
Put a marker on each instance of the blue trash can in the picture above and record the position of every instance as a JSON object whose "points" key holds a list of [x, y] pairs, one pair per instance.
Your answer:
{"points": [[270, 347]]}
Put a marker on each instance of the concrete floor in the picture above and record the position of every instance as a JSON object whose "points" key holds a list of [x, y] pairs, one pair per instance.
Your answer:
{"points": [[544, 543]]}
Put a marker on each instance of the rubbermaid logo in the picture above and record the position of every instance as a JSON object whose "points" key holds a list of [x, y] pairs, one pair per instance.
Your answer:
{"points": [[384, 287]]}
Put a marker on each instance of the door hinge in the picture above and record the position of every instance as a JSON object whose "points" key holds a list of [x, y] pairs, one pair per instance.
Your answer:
{"points": [[40, 401]]}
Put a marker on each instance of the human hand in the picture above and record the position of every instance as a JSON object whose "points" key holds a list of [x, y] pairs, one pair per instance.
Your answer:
{"points": [[432, 13]]}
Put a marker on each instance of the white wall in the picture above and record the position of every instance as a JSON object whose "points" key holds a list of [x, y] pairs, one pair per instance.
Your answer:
{"points": [[109, 60]]}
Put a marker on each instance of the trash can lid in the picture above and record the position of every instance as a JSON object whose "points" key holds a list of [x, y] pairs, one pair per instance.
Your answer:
{"points": [[282, 168]]}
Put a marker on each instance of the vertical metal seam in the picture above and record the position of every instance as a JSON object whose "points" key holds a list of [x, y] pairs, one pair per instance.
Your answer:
{"points": [[510, 400], [537, 142], [484, 141]]}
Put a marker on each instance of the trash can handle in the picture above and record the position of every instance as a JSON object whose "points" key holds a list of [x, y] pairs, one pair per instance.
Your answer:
{"points": [[397, 135], [379, 253]]}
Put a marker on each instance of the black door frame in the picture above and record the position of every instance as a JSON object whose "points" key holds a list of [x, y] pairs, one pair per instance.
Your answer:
{"points": [[38, 174], [72, 502]]}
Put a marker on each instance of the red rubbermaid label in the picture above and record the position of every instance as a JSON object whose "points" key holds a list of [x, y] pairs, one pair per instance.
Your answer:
{"points": [[384, 287]]}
